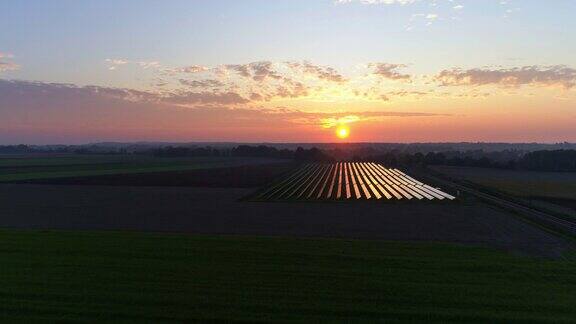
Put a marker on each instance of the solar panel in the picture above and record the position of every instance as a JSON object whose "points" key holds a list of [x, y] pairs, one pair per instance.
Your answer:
{"points": [[350, 181]]}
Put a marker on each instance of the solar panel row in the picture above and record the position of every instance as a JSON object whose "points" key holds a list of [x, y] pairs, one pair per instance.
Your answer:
{"points": [[350, 180]]}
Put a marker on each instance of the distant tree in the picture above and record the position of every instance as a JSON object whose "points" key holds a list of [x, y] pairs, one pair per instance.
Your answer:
{"points": [[181, 151], [557, 160], [311, 155], [15, 149]]}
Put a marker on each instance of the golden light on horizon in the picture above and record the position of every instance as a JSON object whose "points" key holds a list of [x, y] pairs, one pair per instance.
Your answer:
{"points": [[342, 132]]}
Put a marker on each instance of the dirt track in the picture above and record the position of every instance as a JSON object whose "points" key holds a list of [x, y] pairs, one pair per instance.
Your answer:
{"points": [[218, 211]]}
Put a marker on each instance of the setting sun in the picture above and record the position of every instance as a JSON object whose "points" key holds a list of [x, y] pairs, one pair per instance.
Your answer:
{"points": [[342, 132]]}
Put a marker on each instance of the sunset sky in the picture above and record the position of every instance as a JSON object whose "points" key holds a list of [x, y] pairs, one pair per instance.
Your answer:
{"points": [[287, 71]]}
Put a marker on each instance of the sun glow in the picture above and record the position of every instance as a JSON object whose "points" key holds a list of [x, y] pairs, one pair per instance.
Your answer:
{"points": [[342, 132]]}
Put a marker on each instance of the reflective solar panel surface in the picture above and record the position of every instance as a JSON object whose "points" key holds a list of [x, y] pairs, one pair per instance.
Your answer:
{"points": [[350, 181]]}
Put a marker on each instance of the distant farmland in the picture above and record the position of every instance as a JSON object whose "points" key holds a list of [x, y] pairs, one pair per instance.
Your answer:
{"points": [[19, 168], [520, 183]]}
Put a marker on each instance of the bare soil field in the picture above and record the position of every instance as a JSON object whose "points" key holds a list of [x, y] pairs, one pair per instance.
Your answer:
{"points": [[220, 211]]}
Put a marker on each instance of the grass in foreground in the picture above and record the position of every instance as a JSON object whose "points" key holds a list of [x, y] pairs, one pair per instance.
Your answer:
{"points": [[103, 276]]}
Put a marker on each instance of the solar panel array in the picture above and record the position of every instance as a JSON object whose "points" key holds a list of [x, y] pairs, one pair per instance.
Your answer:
{"points": [[350, 181]]}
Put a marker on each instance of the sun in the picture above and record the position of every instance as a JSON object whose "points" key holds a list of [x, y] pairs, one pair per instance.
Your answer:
{"points": [[342, 132]]}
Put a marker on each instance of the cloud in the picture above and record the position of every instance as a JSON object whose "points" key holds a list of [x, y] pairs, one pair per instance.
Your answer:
{"points": [[287, 74], [429, 18], [330, 120], [406, 93], [37, 112], [388, 71], [207, 83], [265, 80], [203, 98], [6, 65], [320, 72], [335, 121], [256, 81], [556, 76], [263, 70], [257, 71], [444, 10], [242, 70], [148, 64], [191, 69], [82, 114], [114, 63], [295, 90], [46, 91], [6, 55]]}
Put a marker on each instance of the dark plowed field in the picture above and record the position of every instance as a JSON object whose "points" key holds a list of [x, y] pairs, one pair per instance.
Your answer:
{"points": [[220, 211], [569, 203]]}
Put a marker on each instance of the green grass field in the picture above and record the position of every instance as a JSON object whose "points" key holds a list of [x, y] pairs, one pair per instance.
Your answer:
{"points": [[75, 165], [130, 277], [519, 183]]}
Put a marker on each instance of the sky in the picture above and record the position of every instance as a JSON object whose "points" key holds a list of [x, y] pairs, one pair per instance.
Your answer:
{"points": [[74, 72]]}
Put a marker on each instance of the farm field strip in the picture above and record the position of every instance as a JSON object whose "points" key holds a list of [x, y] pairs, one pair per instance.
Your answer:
{"points": [[525, 184], [350, 181], [33, 168]]}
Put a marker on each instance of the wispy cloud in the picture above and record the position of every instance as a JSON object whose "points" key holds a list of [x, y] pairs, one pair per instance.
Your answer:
{"points": [[148, 64], [428, 12], [428, 18], [331, 120], [115, 63]]}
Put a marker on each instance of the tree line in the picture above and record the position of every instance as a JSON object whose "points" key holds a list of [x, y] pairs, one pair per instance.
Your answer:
{"points": [[544, 160], [556, 160], [300, 154]]}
